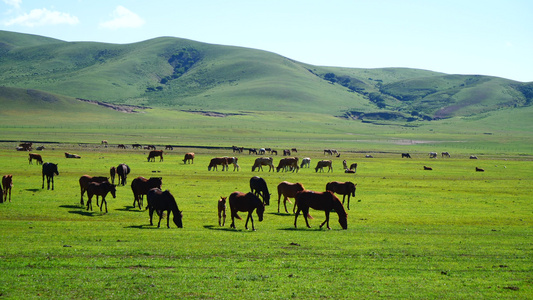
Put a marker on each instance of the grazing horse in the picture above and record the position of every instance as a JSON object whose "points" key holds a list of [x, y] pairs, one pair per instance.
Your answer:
{"points": [[288, 162], [222, 211], [155, 153], [446, 154], [218, 161], [7, 184], [161, 201], [189, 157], [112, 172], [322, 164], [84, 184], [140, 187], [353, 167], [286, 152], [274, 152], [432, 154], [252, 150], [169, 147], [123, 170], [49, 170], [328, 151], [232, 161], [473, 157], [70, 155], [136, 146], [99, 189], [406, 155], [325, 201], [477, 170], [37, 157], [263, 161], [288, 190], [262, 151], [121, 146], [245, 202], [259, 187], [342, 188], [428, 168], [306, 162]]}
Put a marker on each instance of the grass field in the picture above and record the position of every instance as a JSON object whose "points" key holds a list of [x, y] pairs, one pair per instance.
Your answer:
{"points": [[447, 233]]}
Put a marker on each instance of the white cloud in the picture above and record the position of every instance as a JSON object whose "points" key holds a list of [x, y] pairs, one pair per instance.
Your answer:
{"points": [[123, 18], [41, 17], [14, 3]]}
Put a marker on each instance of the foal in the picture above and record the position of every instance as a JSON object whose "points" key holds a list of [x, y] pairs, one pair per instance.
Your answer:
{"points": [[222, 211]]}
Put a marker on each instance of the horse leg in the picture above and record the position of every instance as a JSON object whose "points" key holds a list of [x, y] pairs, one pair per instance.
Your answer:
{"points": [[82, 192], [43, 182], [249, 218], [285, 203], [89, 201], [52, 178], [224, 217], [151, 213], [326, 221], [168, 217], [305, 212], [348, 202], [232, 219], [296, 217], [219, 217]]}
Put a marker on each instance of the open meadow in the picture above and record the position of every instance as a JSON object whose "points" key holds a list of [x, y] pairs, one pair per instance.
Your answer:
{"points": [[446, 233]]}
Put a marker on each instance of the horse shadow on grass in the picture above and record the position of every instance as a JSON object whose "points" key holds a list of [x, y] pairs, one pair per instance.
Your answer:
{"points": [[80, 210], [131, 208], [148, 226], [220, 228]]}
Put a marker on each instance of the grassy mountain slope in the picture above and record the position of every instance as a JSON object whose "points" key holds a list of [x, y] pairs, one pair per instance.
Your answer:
{"points": [[183, 74]]}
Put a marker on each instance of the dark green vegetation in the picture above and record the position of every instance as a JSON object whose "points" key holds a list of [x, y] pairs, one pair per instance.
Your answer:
{"points": [[451, 232]]}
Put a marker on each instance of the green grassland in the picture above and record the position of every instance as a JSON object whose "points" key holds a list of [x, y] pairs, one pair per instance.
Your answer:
{"points": [[451, 232]]}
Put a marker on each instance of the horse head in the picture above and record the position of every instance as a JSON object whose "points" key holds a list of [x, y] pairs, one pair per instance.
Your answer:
{"points": [[113, 190], [178, 219]]}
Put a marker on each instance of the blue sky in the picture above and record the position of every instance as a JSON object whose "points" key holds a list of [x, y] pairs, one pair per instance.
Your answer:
{"points": [[451, 36]]}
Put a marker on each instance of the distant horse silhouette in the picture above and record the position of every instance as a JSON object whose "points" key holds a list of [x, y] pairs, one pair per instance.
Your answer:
{"points": [[123, 170], [112, 172], [428, 168], [342, 188], [155, 153], [7, 184], [140, 187], [325, 201], [479, 169], [446, 154], [161, 201], [84, 184], [245, 202], [288, 190], [406, 155], [37, 157], [99, 189], [70, 155], [259, 187], [222, 211], [189, 157], [49, 170]]}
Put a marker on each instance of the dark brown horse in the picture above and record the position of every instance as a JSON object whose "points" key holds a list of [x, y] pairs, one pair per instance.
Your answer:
{"points": [[222, 211], [112, 172], [37, 157], [84, 183], [259, 187], [123, 170], [218, 161], [140, 187], [288, 190], [7, 184], [161, 201], [155, 153], [245, 202], [325, 201], [342, 188], [49, 170], [99, 189]]}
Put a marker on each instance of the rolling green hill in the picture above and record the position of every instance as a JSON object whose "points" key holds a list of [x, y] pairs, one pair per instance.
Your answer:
{"points": [[184, 74]]}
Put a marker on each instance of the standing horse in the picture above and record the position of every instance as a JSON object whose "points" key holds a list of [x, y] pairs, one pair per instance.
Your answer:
{"points": [[123, 170], [306, 161], [325, 201], [245, 202], [263, 161], [218, 161], [259, 187], [99, 189], [84, 183], [112, 172], [37, 157], [161, 201], [189, 157], [140, 187], [288, 189], [323, 164], [155, 153], [222, 211], [406, 155], [49, 170], [342, 188], [7, 184]]}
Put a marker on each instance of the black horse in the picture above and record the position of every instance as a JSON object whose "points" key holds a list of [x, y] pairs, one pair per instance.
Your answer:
{"points": [[49, 170], [247, 203], [259, 187], [161, 201], [123, 170]]}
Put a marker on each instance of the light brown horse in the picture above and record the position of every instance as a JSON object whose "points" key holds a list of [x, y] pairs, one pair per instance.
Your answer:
{"points": [[263, 161], [161, 201], [140, 187], [155, 153], [288, 190], [99, 189], [247, 203], [325, 201], [222, 211], [342, 188], [189, 157], [7, 184], [37, 157], [84, 183]]}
